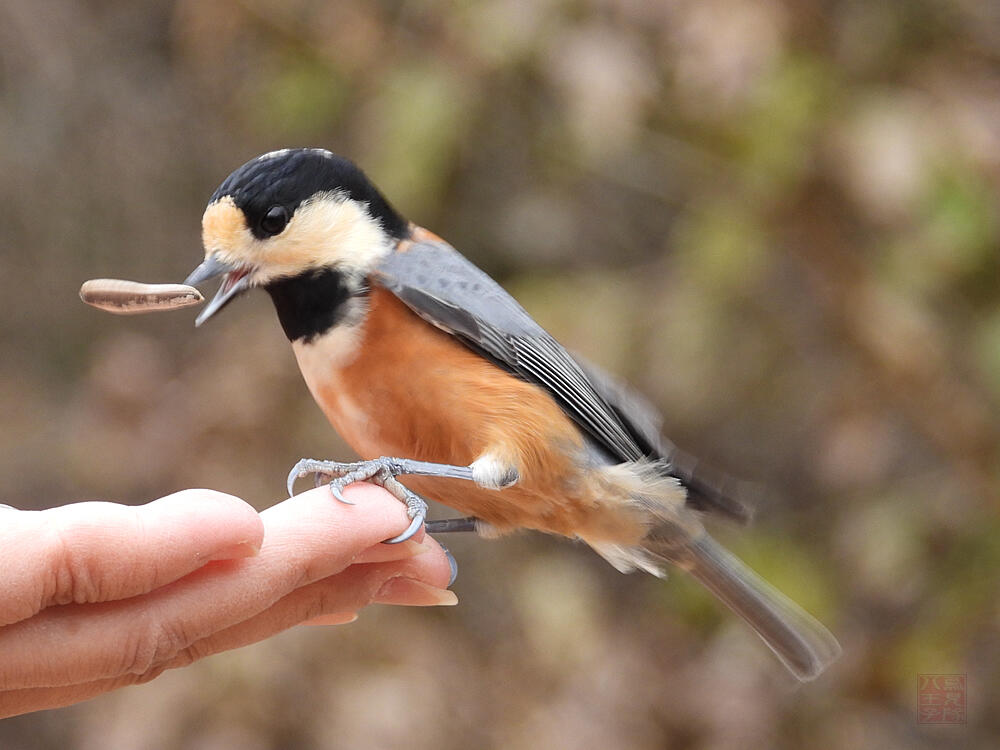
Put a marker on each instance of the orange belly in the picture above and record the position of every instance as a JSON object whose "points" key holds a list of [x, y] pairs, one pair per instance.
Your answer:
{"points": [[412, 391]]}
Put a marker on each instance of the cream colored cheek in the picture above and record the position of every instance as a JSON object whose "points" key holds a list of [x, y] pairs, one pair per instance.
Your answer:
{"points": [[224, 230]]}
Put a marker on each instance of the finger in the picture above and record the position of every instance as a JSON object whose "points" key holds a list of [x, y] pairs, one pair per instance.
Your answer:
{"points": [[357, 527], [417, 582], [25, 700], [308, 538], [389, 552], [97, 551], [332, 601], [355, 587]]}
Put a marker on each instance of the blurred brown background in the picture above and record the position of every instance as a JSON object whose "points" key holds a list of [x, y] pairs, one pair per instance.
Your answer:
{"points": [[779, 219]]}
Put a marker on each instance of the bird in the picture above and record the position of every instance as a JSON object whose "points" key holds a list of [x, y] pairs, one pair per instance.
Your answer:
{"points": [[428, 368]]}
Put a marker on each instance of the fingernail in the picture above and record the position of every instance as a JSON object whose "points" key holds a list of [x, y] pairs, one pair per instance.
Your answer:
{"points": [[337, 618], [413, 593], [236, 551], [452, 563], [389, 552]]}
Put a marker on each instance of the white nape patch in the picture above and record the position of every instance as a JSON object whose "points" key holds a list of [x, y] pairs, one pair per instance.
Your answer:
{"points": [[491, 473], [327, 353], [327, 230]]}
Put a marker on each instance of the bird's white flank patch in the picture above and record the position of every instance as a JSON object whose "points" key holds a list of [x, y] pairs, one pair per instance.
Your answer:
{"points": [[491, 472]]}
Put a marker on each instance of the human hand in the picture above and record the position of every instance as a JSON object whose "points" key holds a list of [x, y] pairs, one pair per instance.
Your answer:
{"points": [[97, 596]]}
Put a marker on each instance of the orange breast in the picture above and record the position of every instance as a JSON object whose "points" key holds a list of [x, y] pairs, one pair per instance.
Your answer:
{"points": [[413, 391]]}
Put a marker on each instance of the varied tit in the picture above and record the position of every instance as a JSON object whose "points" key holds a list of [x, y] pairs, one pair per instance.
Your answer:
{"points": [[414, 352]]}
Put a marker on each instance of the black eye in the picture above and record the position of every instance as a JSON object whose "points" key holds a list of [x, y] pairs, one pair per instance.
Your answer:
{"points": [[274, 220]]}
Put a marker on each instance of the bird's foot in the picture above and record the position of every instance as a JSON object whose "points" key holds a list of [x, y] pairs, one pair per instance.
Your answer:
{"points": [[380, 471], [486, 472]]}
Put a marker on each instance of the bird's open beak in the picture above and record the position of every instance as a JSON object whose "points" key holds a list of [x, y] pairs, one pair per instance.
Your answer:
{"points": [[233, 285]]}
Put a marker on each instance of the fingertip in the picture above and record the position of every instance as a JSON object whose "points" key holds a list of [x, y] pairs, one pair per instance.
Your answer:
{"points": [[432, 568], [390, 552], [236, 527], [452, 564], [443, 568], [234, 507], [372, 511], [411, 592], [212, 498]]}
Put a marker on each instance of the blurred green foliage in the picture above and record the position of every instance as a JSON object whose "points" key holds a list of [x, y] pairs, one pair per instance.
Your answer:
{"points": [[778, 219]]}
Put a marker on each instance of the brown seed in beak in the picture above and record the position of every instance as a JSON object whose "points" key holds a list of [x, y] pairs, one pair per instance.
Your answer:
{"points": [[124, 297]]}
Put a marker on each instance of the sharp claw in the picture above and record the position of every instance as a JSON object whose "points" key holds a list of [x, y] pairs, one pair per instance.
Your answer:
{"points": [[337, 489], [412, 529], [290, 483], [380, 471], [303, 467]]}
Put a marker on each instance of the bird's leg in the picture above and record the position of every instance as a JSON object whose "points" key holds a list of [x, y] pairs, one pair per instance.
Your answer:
{"points": [[485, 471], [445, 525]]}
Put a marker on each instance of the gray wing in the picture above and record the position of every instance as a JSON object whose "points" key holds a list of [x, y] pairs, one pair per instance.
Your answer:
{"points": [[448, 291]]}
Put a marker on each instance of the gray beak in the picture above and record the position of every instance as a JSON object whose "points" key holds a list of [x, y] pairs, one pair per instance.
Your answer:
{"points": [[233, 285]]}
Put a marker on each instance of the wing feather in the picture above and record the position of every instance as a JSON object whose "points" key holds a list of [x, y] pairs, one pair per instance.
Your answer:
{"points": [[450, 292]]}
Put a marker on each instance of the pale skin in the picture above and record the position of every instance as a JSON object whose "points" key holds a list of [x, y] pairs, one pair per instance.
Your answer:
{"points": [[98, 596]]}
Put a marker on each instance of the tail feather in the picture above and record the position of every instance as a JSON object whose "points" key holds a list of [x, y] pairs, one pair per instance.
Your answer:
{"points": [[802, 644], [712, 491], [799, 640]]}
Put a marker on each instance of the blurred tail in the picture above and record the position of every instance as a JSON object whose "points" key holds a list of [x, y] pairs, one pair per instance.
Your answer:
{"points": [[799, 640]]}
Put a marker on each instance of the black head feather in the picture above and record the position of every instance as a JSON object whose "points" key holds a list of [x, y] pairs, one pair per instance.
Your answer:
{"points": [[288, 177]]}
